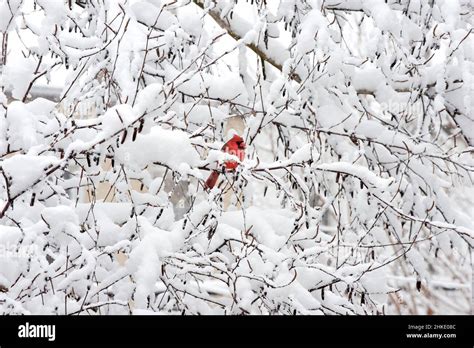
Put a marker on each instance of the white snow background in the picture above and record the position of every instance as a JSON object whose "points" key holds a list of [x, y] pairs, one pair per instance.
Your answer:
{"points": [[355, 195]]}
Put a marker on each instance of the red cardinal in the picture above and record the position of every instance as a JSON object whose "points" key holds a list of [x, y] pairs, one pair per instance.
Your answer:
{"points": [[234, 146]]}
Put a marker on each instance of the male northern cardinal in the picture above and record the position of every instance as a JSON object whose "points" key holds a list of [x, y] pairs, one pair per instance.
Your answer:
{"points": [[234, 146]]}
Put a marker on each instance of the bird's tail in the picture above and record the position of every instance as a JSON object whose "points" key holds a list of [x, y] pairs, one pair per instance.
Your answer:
{"points": [[212, 179]]}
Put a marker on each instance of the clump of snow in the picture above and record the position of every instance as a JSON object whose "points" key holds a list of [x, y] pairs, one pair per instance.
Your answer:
{"points": [[18, 74], [163, 146], [24, 170], [358, 171]]}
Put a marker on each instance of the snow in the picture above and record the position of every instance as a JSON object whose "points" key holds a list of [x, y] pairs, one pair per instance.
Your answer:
{"points": [[8, 10], [357, 180], [116, 118], [228, 87], [358, 171], [150, 14], [167, 147], [19, 74], [303, 154], [369, 79], [24, 170]]}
